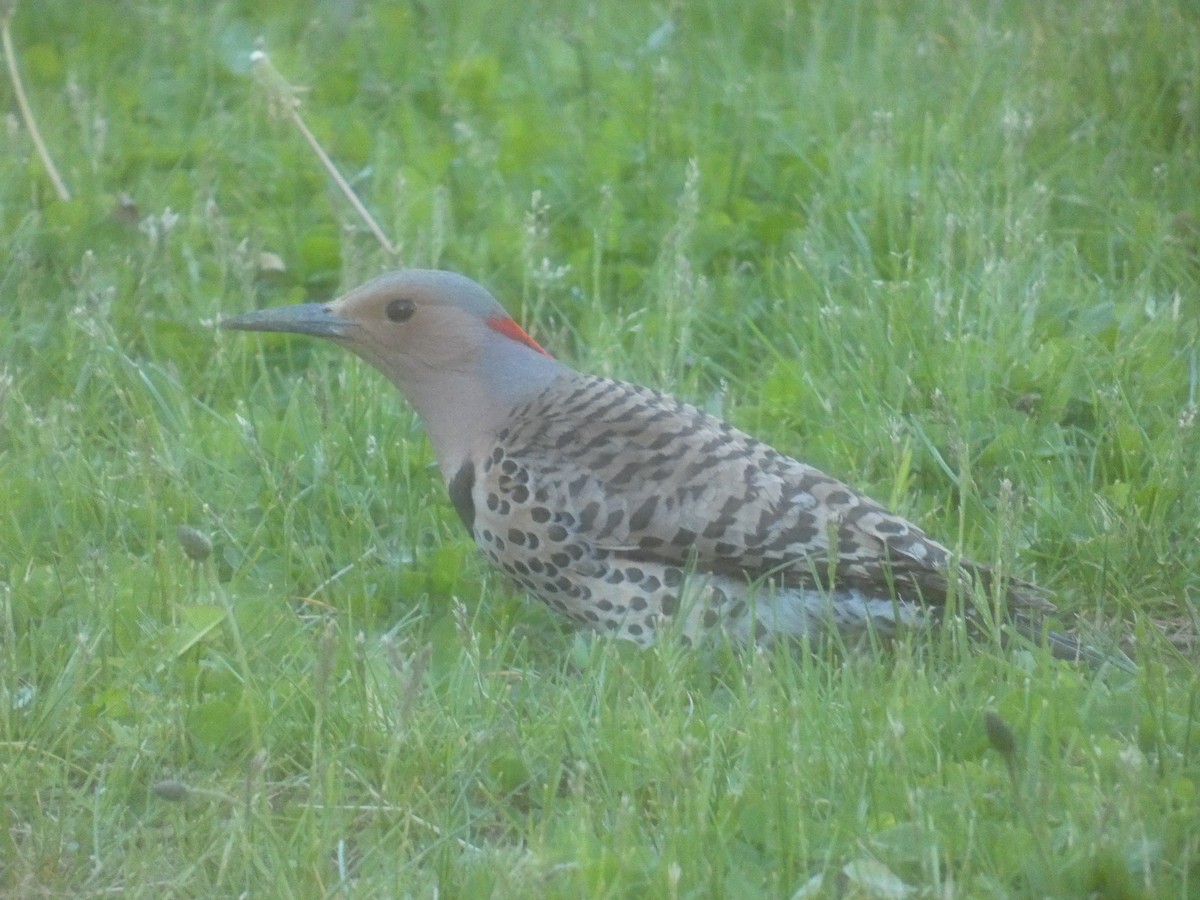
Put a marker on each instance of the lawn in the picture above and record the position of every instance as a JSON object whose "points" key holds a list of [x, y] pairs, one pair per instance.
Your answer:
{"points": [[946, 251]]}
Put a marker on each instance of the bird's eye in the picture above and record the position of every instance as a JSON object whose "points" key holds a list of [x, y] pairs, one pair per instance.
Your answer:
{"points": [[400, 310]]}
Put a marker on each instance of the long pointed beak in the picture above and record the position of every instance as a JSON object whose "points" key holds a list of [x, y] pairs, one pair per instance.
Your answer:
{"points": [[315, 319]]}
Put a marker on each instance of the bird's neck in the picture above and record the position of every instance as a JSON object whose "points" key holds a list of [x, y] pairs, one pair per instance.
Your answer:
{"points": [[462, 410]]}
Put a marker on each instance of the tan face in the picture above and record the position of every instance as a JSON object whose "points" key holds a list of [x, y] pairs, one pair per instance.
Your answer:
{"points": [[401, 322], [417, 319]]}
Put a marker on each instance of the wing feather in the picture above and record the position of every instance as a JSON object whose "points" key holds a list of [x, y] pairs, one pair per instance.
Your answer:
{"points": [[638, 474]]}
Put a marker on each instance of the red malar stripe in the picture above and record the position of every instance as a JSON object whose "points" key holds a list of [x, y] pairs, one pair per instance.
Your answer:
{"points": [[511, 329]]}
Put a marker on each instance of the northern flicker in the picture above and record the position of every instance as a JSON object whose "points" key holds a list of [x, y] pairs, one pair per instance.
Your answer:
{"points": [[627, 510]]}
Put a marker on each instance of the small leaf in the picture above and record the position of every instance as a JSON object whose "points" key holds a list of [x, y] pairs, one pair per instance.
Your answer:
{"points": [[200, 620], [875, 879]]}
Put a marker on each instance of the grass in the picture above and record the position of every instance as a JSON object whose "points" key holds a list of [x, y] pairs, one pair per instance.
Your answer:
{"points": [[948, 252]]}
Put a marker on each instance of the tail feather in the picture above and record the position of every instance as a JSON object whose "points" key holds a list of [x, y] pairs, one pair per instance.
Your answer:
{"points": [[1067, 648]]}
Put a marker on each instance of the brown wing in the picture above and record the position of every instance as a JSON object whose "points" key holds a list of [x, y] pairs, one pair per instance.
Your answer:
{"points": [[648, 477]]}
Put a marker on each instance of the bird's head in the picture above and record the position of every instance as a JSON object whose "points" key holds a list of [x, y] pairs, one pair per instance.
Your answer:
{"points": [[408, 323], [442, 339]]}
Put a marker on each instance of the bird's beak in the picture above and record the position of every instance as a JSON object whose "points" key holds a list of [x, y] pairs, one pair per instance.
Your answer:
{"points": [[315, 319]]}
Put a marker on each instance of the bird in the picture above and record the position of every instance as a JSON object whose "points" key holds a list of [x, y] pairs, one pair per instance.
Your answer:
{"points": [[637, 514]]}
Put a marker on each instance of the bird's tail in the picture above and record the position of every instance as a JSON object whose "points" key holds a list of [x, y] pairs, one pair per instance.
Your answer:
{"points": [[1064, 647]]}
